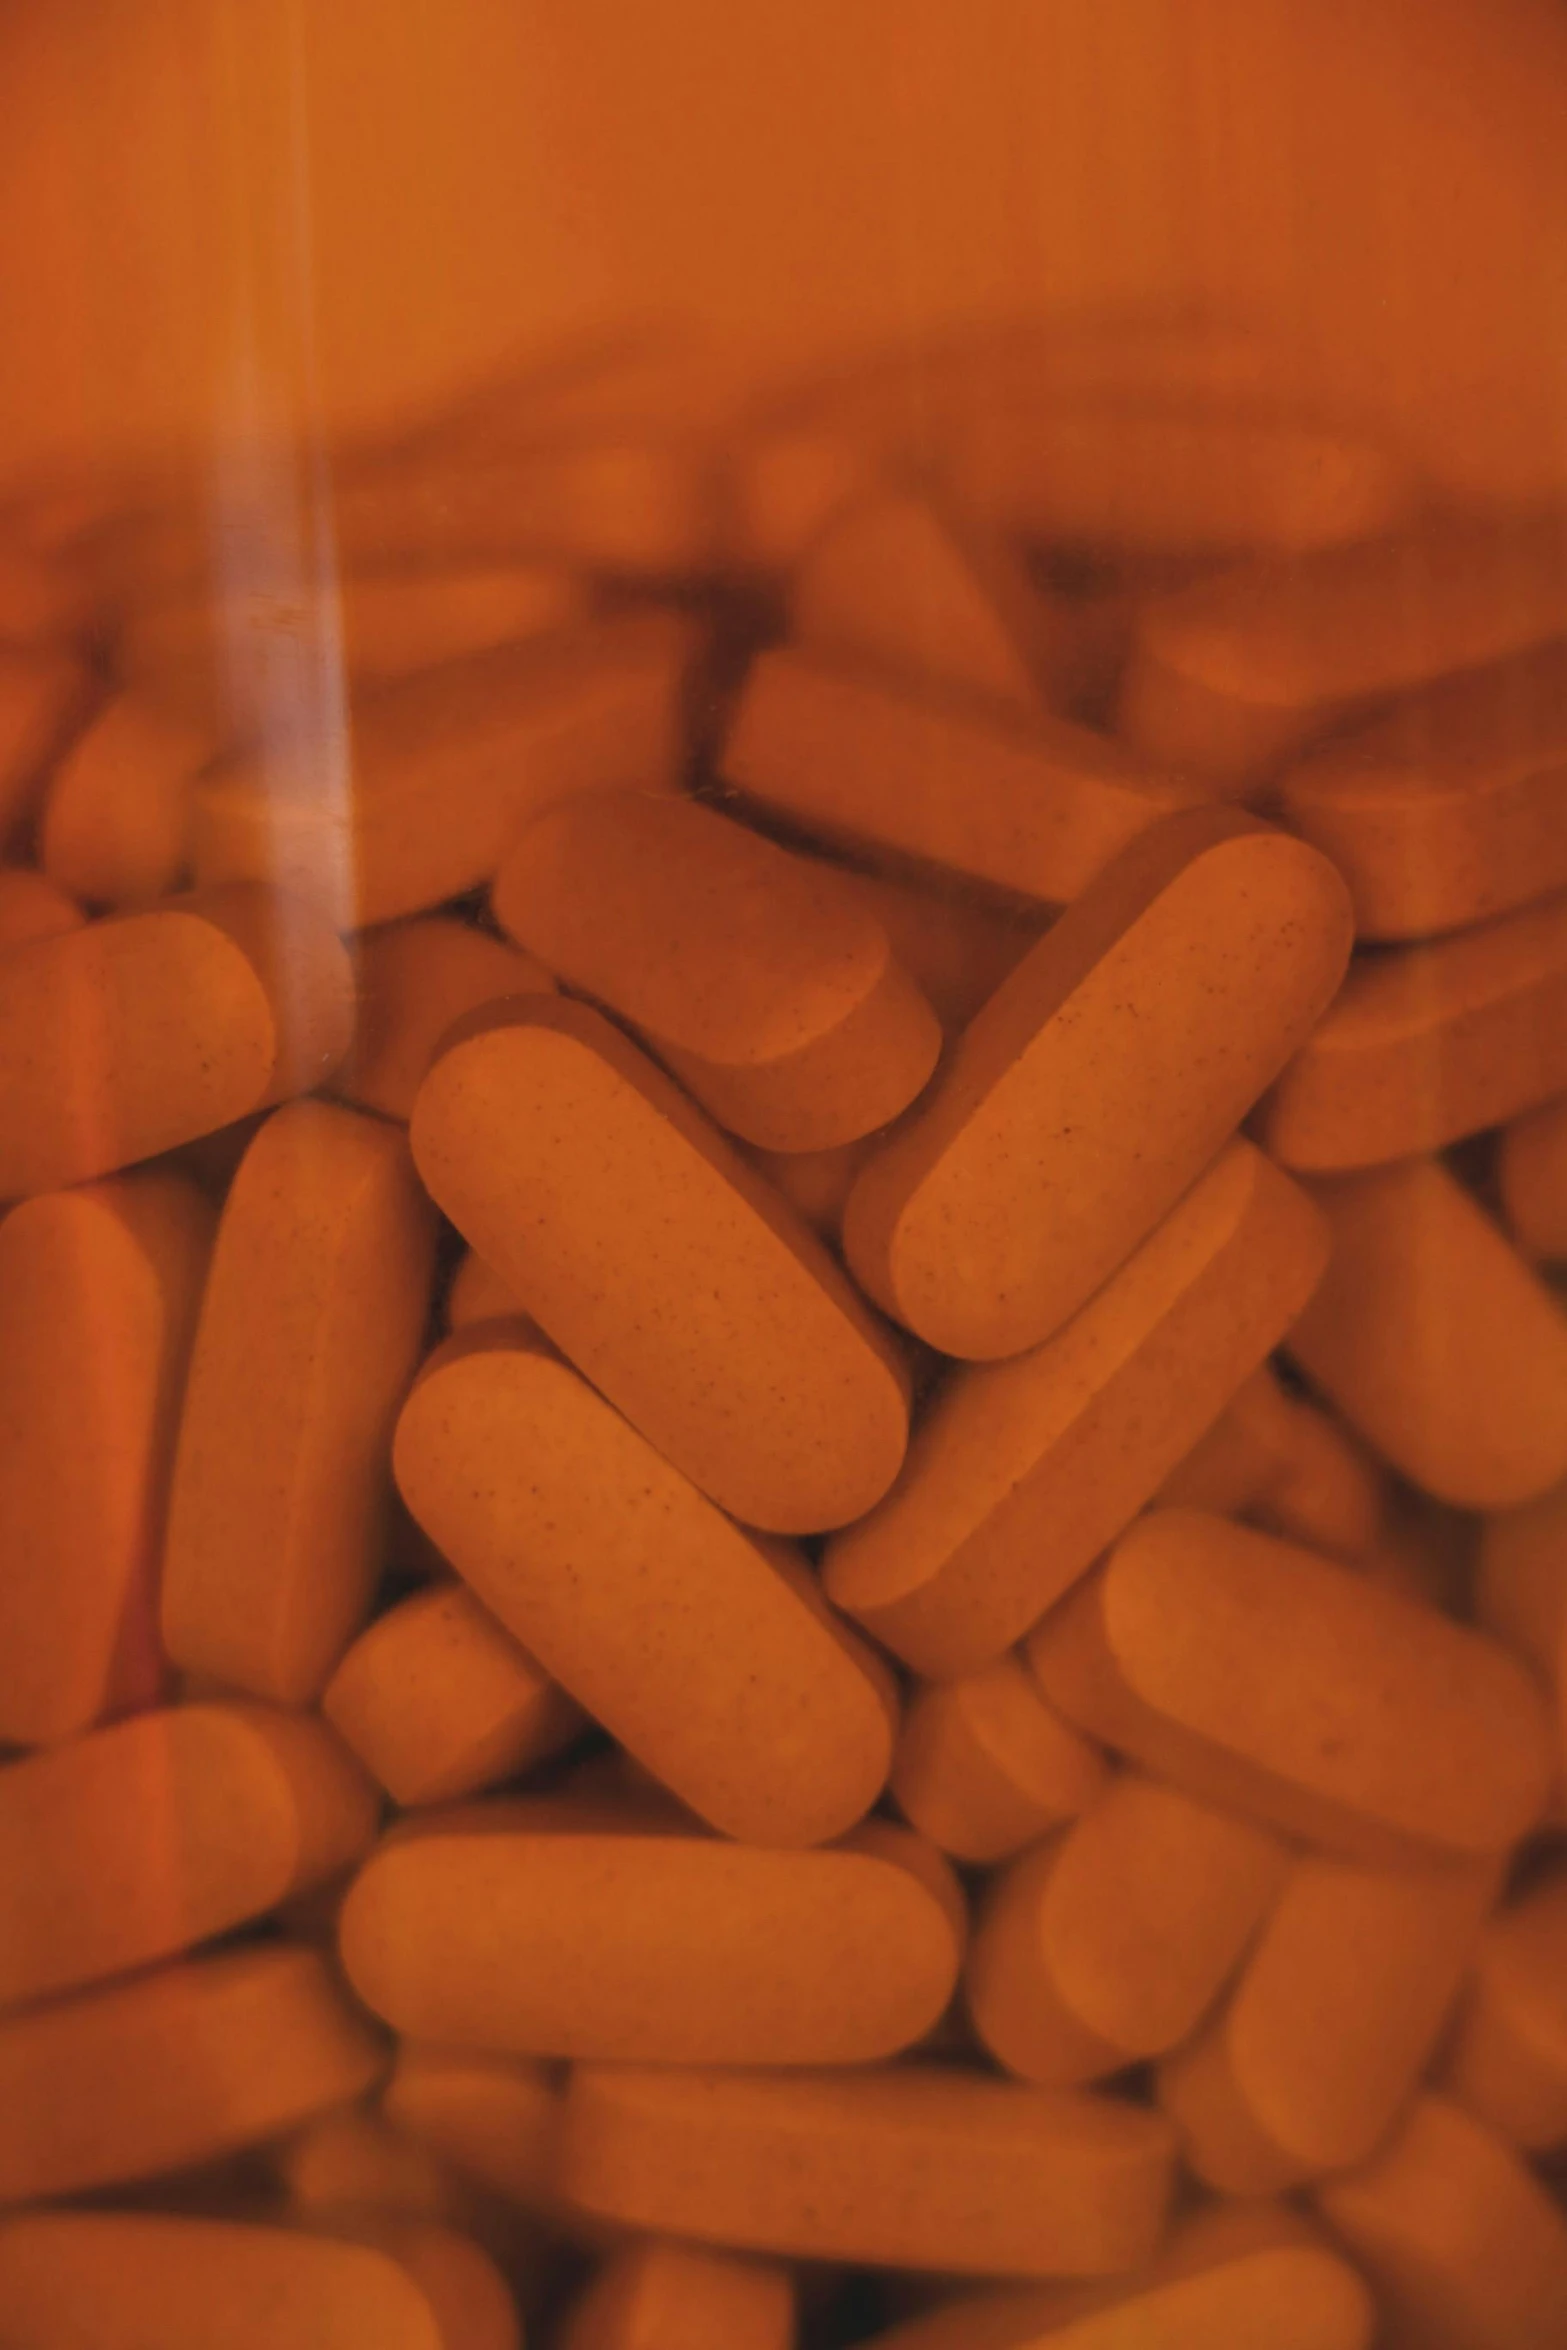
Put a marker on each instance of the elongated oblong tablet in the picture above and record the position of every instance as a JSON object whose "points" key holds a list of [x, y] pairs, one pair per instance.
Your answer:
{"points": [[1452, 808], [1234, 673], [99, 1290], [758, 977], [1099, 1081], [415, 979], [116, 817], [532, 1928], [309, 1332], [127, 1037], [1507, 2059], [1035, 807], [1295, 1691], [1110, 1943], [32, 906], [662, 1265], [1331, 2023], [1278, 1461], [1435, 1340], [909, 2165], [704, 1650], [664, 2296], [1464, 2248], [1531, 1175], [495, 2119], [173, 2067], [1428, 1043], [44, 696], [1022, 1471], [438, 1700], [418, 801], [135, 1841], [983, 1766], [117, 2280]]}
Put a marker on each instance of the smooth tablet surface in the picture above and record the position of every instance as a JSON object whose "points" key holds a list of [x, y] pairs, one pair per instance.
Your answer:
{"points": [[31, 906], [704, 1650], [1531, 1175], [1098, 1082], [99, 1290], [658, 2296], [1507, 2060], [1021, 1472], [44, 695], [309, 1332], [958, 946], [983, 1766], [530, 1928], [116, 816], [130, 1036], [913, 2166], [135, 1841], [761, 981], [1296, 1691], [662, 1266], [495, 2119], [1435, 1340], [415, 979]]}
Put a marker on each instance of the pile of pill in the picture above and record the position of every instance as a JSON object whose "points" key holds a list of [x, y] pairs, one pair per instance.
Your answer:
{"points": [[783, 1430]]}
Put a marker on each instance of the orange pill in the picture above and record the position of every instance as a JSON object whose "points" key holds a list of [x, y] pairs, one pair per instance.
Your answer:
{"points": [[31, 906], [309, 1333], [478, 1294], [438, 1700], [353, 2159], [1449, 810], [1021, 1472], [496, 2120], [439, 769], [172, 2068], [1331, 2024], [815, 1183], [117, 813], [663, 2296], [115, 2280], [706, 1651], [911, 2166], [99, 1290], [983, 1766], [540, 1929], [127, 1037], [1098, 1082], [959, 948], [1037, 807], [662, 1266], [415, 979], [1507, 2059], [1531, 1175], [757, 977], [1110, 1943], [1520, 1593], [785, 481], [1298, 1693], [44, 697], [1273, 1458], [1465, 2249], [1435, 1341], [136, 1841]]}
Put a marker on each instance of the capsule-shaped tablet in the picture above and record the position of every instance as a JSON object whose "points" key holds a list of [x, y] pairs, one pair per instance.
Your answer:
{"points": [[1507, 2058], [1037, 807], [309, 1332], [1022, 1471], [1277, 1461], [353, 2157], [757, 977], [1098, 1082], [662, 1266], [496, 2120], [438, 1700], [662, 2296], [32, 906], [444, 766], [891, 581], [415, 979], [116, 815], [815, 1183], [44, 696], [1298, 1693], [1233, 674], [908, 2166], [99, 1290], [1450, 810], [1435, 1341], [540, 1930], [1428, 1043], [116, 2280], [128, 1037], [1331, 2024], [1465, 2249], [702, 1649], [1520, 1593], [1109, 1943], [959, 946], [1531, 1176], [1228, 2275], [136, 1841], [478, 1294], [983, 1766], [172, 2068]]}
